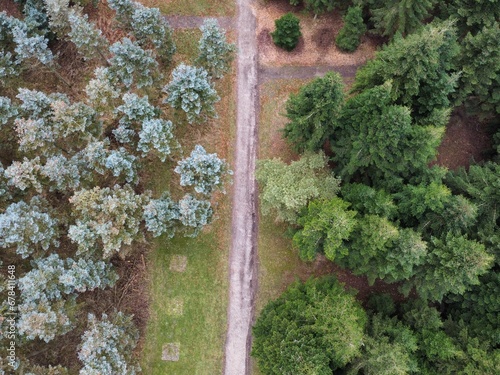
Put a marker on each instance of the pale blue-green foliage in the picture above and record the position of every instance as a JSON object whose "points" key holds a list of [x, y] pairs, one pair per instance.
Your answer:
{"points": [[36, 104], [107, 346], [161, 216], [202, 170], [135, 109], [62, 173], [192, 91], [124, 10], [194, 214], [87, 38], [123, 134], [49, 290], [8, 66], [78, 117], [34, 47], [4, 189], [24, 175], [131, 63], [101, 90], [92, 158], [214, 53], [121, 163], [35, 16], [149, 26], [156, 134], [7, 110], [28, 227], [33, 134], [106, 218]]}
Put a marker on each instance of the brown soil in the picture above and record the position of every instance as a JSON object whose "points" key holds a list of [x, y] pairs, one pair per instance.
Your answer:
{"points": [[11, 8], [466, 140], [318, 39]]}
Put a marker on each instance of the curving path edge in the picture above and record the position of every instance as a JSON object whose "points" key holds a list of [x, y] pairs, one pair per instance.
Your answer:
{"points": [[244, 226]]}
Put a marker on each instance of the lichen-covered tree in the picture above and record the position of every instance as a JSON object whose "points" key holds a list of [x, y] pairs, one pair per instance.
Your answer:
{"points": [[287, 189], [88, 39], [156, 137], [107, 345], [131, 64], [194, 214], [313, 112], [48, 293], [28, 227], [161, 216], [106, 219], [192, 91], [215, 54], [150, 27], [204, 171]]}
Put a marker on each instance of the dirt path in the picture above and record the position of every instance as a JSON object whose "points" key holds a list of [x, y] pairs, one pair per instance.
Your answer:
{"points": [[244, 226], [192, 22]]}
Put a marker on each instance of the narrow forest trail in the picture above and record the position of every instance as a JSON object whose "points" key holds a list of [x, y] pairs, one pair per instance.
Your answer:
{"points": [[244, 226]]}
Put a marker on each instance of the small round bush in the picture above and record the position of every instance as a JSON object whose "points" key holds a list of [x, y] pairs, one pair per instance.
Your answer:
{"points": [[287, 32], [349, 36]]}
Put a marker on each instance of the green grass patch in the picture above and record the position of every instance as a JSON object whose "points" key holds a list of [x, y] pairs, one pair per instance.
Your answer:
{"points": [[203, 286], [194, 7]]}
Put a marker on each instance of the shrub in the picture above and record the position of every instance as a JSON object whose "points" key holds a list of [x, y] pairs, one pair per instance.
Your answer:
{"points": [[348, 38], [287, 32]]}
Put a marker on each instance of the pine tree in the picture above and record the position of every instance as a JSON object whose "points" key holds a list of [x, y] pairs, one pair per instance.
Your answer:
{"points": [[156, 136], [130, 63], [349, 37], [106, 218], [192, 91], [87, 38], [214, 53], [194, 214], [202, 170], [314, 112], [28, 227], [162, 216], [287, 32], [107, 345]]}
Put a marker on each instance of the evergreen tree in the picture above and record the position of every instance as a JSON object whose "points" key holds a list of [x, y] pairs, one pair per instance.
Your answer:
{"points": [[106, 218], [28, 227], [87, 38], [325, 228], [107, 346], [320, 6], [314, 112], [157, 136], [287, 32], [131, 63], [192, 91], [420, 67], [101, 90], [214, 53], [58, 12], [202, 170], [367, 200], [312, 328], [162, 216], [194, 214], [287, 189], [349, 37], [400, 16]]}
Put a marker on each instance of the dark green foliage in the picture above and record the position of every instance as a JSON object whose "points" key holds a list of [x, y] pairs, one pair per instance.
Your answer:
{"points": [[454, 265], [420, 67], [320, 6], [311, 329], [313, 112], [367, 200], [480, 66], [287, 32], [479, 308], [399, 16], [471, 15], [481, 184], [325, 227], [349, 37], [376, 139]]}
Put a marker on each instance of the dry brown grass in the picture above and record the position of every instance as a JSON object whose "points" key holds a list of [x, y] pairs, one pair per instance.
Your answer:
{"points": [[317, 44]]}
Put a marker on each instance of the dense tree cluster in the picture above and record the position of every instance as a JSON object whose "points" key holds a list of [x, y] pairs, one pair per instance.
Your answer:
{"points": [[396, 217], [72, 176]]}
